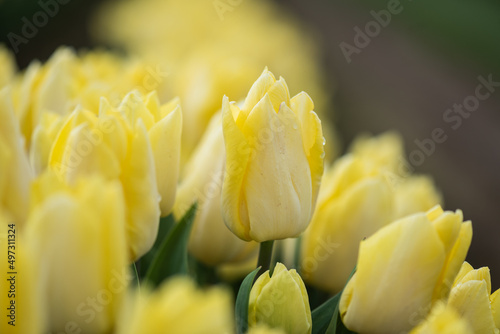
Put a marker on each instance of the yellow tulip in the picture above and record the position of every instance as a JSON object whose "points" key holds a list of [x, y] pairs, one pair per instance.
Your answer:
{"points": [[77, 235], [137, 144], [208, 57], [443, 320], [402, 269], [15, 172], [178, 307], [356, 199], [67, 80], [211, 242], [470, 296], [274, 162], [21, 297], [280, 301]]}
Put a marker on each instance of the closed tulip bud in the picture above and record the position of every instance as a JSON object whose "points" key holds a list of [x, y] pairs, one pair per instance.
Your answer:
{"points": [[280, 301], [178, 306], [406, 266], [443, 320], [210, 241], [470, 297], [77, 234], [274, 162], [15, 172], [356, 199], [21, 298]]}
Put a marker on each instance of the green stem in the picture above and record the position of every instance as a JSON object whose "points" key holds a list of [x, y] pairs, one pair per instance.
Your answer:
{"points": [[265, 255]]}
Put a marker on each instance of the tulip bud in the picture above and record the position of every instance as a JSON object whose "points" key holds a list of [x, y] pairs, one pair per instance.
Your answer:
{"points": [[443, 320], [280, 301], [274, 162], [405, 266], [178, 307], [356, 199], [470, 296], [77, 234], [15, 172], [210, 241]]}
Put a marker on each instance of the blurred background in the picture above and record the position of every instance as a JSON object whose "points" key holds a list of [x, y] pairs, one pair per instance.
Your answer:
{"points": [[400, 71]]}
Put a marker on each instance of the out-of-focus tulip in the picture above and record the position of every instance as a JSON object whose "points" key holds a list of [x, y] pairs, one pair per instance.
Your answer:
{"points": [[178, 307], [138, 144], [274, 162], [280, 301], [443, 320], [210, 55], [43, 138], [405, 266], [356, 199], [7, 66], [77, 234], [211, 242], [21, 299], [470, 296], [15, 172], [67, 80]]}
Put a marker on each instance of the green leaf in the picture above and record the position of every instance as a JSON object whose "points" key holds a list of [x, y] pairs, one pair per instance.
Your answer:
{"points": [[241, 307], [171, 257], [322, 315], [165, 226], [136, 281]]}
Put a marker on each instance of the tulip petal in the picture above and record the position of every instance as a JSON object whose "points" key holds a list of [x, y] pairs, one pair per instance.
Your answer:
{"points": [[394, 246], [237, 157], [165, 139]]}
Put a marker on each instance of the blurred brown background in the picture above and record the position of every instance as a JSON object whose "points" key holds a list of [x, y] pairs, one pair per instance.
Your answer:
{"points": [[426, 59]]}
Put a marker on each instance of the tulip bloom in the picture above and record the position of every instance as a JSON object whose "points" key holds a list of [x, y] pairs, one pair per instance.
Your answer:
{"points": [[357, 199], [274, 162], [210, 241], [405, 267], [280, 301], [138, 144], [178, 306], [77, 235], [470, 296]]}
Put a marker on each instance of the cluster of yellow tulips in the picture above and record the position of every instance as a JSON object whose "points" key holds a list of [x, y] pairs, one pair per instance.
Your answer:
{"points": [[124, 212]]}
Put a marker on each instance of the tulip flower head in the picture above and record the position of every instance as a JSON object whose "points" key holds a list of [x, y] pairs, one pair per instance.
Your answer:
{"points": [[274, 162]]}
